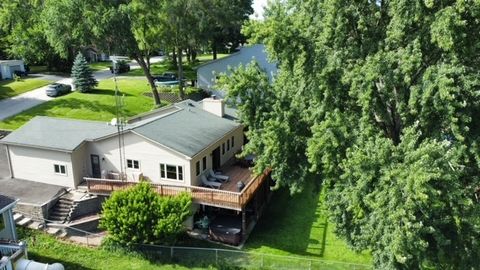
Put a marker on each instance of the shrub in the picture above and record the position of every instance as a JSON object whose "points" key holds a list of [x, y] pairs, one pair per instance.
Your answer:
{"points": [[138, 215]]}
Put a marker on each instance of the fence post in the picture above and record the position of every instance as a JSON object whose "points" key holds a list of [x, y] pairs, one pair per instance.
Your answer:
{"points": [[86, 236], [171, 252], [216, 256]]}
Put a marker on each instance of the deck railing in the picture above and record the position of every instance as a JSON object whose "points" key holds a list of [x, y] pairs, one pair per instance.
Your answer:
{"points": [[201, 195]]}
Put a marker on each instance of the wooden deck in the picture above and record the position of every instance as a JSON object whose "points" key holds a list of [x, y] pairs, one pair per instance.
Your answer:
{"points": [[236, 174], [226, 197]]}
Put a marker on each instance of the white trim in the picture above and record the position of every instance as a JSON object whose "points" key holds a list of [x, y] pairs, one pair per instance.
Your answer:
{"points": [[176, 172], [133, 164], [60, 169]]}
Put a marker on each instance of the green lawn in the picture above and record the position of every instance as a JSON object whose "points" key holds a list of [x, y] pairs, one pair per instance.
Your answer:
{"points": [[100, 65], [189, 69], [298, 226], [98, 105], [12, 88], [46, 249]]}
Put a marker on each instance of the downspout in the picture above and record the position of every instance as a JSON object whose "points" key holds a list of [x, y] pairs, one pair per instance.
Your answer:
{"points": [[12, 224], [9, 163]]}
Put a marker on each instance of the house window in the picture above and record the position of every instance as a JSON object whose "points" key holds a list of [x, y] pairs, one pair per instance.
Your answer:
{"points": [[204, 163], [60, 169], [223, 148], [171, 172], [197, 167], [233, 141], [2, 223], [228, 144], [133, 164]]}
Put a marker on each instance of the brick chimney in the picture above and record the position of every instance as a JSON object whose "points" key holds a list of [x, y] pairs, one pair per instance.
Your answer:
{"points": [[214, 105]]}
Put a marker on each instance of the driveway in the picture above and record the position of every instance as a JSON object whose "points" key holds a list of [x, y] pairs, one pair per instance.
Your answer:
{"points": [[15, 105]]}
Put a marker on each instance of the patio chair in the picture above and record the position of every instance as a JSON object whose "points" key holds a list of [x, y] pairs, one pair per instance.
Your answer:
{"points": [[211, 184], [219, 177]]}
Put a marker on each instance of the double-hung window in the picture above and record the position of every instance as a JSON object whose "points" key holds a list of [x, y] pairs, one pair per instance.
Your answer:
{"points": [[204, 163], [171, 172], [60, 169]]}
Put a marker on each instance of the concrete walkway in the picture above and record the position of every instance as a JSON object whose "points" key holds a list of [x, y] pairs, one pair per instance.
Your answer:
{"points": [[17, 104]]}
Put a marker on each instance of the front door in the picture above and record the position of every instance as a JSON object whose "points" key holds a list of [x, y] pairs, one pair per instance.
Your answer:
{"points": [[95, 159], [216, 159]]}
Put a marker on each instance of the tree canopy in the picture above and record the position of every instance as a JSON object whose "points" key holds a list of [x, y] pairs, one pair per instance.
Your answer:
{"points": [[138, 215], [379, 100]]}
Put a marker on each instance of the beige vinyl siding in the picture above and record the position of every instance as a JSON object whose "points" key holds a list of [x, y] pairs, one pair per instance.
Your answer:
{"points": [[79, 162], [38, 165], [237, 134], [149, 154]]}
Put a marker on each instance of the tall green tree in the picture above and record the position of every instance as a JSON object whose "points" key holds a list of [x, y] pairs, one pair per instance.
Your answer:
{"points": [[131, 28], [380, 101], [82, 75]]}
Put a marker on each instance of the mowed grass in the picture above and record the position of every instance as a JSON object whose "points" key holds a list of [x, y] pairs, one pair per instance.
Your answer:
{"points": [[98, 105], [190, 70], [13, 88], [298, 226], [100, 65], [46, 249]]}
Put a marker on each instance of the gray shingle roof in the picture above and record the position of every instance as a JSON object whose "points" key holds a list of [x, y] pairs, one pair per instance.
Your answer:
{"points": [[58, 133], [5, 201], [187, 131]]}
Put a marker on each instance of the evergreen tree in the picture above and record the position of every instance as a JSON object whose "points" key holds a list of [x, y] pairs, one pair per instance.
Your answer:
{"points": [[82, 75]]}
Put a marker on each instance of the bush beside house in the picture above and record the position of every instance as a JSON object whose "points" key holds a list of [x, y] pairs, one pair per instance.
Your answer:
{"points": [[138, 215]]}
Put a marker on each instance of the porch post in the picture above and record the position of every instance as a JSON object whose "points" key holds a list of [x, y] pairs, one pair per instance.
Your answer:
{"points": [[244, 223]]}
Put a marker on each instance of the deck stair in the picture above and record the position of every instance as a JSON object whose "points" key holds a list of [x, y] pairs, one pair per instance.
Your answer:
{"points": [[62, 210]]}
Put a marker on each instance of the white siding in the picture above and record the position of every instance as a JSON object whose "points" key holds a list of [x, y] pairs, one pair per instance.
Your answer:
{"points": [[206, 74], [149, 154], [37, 165], [237, 134], [80, 165]]}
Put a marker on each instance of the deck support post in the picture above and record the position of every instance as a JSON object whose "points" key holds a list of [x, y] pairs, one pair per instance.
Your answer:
{"points": [[244, 223]]}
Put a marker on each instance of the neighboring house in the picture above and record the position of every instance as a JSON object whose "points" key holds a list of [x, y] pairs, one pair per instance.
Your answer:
{"points": [[163, 146], [208, 73], [7, 224], [8, 67], [94, 55]]}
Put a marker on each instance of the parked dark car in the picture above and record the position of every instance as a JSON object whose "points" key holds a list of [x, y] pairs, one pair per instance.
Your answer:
{"points": [[57, 89], [165, 77], [20, 73], [120, 67]]}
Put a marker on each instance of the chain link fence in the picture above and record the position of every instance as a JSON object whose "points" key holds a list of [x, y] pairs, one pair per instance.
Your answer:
{"points": [[232, 259]]}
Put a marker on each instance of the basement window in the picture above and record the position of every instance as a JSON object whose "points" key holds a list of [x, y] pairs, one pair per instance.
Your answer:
{"points": [[133, 164], [60, 169]]}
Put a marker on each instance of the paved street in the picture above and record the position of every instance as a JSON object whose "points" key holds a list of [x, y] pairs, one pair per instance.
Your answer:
{"points": [[20, 103]]}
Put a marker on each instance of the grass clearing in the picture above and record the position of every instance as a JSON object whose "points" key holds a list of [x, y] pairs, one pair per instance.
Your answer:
{"points": [[13, 88], [298, 226], [97, 105], [96, 66], [190, 70], [47, 249]]}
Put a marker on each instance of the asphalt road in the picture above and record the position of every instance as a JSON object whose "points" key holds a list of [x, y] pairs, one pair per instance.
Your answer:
{"points": [[15, 105]]}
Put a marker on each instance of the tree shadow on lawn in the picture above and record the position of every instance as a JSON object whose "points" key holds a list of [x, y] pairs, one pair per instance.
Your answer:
{"points": [[106, 92], [6, 92], [296, 224]]}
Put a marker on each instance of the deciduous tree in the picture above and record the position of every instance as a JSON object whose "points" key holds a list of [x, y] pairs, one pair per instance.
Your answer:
{"points": [[379, 100]]}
